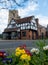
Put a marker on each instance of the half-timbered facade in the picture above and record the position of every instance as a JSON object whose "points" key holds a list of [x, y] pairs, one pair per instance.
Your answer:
{"points": [[24, 28]]}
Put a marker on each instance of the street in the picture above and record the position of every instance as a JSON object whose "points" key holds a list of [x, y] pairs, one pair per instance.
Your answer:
{"points": [[7, 44]]}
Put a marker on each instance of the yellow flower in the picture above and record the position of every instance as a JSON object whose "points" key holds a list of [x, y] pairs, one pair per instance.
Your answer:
{"points": [[29, 57], [25, 57], [23, 51], [17, 49], [17, 53]]}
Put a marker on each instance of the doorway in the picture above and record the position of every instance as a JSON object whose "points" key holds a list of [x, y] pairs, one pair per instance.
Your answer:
{"points": [[9, 35]]}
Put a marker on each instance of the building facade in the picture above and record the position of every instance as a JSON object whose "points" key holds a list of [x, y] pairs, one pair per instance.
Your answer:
{"points": [[41, 32], [23, 28]]}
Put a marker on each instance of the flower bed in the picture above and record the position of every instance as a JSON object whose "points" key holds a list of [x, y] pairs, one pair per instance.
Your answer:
{"points": [[23, 56]]}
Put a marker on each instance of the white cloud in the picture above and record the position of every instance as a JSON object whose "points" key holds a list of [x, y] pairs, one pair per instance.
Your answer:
{"points": [[43, 20], [31, 6], [3, 19]]}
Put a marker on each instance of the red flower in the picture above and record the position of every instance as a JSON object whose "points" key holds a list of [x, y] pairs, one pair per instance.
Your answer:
{"points": [[2, 54], [28, 52]]}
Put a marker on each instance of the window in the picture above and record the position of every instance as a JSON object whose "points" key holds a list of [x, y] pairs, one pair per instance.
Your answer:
{"points": [[31, 27], [18, 25], [31, 23], [28, 27], [12, 21], [13, 25], [23, 27], [24, 33], [17, 34], [26, 24], [34, 24], [34, 28], [21, 24], [13, 34]]}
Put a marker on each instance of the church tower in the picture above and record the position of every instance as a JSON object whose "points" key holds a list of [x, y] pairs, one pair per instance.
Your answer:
{"points": [[13, 14]]}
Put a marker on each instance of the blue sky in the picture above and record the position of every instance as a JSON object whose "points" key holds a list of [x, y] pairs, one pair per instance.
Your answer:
{"points": [[38, 8]]}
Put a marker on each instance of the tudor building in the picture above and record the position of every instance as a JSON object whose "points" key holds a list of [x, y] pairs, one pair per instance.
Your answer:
{"points": [[23, 28]]}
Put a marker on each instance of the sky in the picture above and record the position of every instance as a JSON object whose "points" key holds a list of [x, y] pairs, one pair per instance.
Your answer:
{"points": [[38, 8]]}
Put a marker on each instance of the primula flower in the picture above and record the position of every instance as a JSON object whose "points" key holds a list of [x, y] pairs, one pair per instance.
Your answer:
{"points": [[25, 57], [19, 51], [23, 51], [45, 47], [2, 54], [35, 50], [28, 52]]}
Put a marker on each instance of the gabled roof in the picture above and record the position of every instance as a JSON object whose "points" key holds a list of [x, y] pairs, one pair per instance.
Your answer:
{"points": [[40, 26], [26, 19]]}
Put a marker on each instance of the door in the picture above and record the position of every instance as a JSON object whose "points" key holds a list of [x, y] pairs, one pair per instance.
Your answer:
{"points": [[9, 35]]}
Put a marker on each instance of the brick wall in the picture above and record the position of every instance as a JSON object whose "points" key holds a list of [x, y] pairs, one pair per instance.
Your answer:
{"points": [[42, 32], [29, 35]]}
